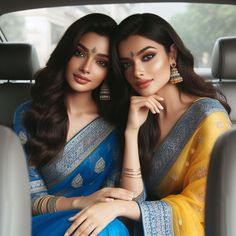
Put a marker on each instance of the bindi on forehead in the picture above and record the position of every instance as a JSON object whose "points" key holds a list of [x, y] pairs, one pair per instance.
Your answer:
{"points": [[139, 52], [131, 54], [93, 50]]}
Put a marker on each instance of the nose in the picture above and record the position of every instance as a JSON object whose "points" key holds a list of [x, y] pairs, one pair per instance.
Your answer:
{"points": [[86, 66], [138, 70]]}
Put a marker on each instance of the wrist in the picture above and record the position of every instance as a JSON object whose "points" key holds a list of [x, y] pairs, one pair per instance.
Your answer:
{"points": [[129, 209], [77, 202], [59, 202], [120, 208], [131, 132]]}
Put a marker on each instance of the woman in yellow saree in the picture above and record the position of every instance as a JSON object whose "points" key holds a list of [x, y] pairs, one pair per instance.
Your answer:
{"points": [[177, 177], [174, 119]]}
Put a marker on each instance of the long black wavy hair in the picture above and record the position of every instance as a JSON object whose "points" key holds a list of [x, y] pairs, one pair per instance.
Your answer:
{"points": [[47, 120], [157, 29]]}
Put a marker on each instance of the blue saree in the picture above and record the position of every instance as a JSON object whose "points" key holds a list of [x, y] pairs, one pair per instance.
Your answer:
{"points": [[89, 162]]}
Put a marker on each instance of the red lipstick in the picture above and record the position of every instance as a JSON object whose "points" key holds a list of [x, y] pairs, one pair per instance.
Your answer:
{"points": [[144, 83], [81, 79]]}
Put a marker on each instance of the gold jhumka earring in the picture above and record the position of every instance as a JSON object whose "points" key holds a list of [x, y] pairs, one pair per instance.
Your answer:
{"points": [[104, 94], [175, 76]]}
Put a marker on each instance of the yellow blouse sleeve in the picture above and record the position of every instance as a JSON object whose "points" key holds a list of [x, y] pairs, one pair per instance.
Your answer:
{"points": [[188, 206]]}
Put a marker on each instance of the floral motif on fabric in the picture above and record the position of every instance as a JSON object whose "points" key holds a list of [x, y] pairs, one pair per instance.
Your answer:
{"points": [[167, 154], [22, 137], [100, 166], [76, 151], [77, 181]]}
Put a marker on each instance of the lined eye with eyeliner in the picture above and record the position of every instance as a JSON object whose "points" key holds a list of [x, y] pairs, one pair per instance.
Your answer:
{"points": [[79, 53], [126, 64], [102, 63], [148, 57]]}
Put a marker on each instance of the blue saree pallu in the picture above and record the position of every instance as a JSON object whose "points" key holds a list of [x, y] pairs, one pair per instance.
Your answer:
{"points": [[89, 162]]}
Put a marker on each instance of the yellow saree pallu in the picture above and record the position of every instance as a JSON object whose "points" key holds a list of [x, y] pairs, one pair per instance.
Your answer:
{"points": [[177, 178]]}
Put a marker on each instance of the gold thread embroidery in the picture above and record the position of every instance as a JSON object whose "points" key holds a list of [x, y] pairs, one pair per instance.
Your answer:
{"points": [[22, 137], [99, 166], [77, 181]]}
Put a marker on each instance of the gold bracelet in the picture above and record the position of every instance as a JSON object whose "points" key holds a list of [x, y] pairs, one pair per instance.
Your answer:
{"points": [[39, 209], [40, 205], [131, 170], [34, 206], [51, 204], [133, 176], [130, 175]]}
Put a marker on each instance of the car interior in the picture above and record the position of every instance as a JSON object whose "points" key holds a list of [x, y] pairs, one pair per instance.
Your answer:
{"points": [[18, 63], [15, 216], [24, 58], [223, 68], [220, 209]]}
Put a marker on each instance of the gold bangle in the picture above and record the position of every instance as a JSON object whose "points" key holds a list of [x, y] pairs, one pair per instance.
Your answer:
{"points": [[132, 175], [51, 204], [40, 209], [128, 173], [40, 204], [131, 170], [34, 206]]}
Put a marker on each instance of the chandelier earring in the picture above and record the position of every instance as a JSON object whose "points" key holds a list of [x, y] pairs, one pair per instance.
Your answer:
{"points": [[175, 76], [104, 94]]}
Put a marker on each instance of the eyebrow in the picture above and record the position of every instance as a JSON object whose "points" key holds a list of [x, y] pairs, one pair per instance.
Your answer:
{"points": [[87, 50], [139, 52]]}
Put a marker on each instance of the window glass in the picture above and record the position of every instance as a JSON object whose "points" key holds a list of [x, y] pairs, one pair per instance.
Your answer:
{"points": [[199, 25]]}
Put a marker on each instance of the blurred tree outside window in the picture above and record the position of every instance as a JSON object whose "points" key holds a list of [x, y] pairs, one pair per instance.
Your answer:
{"points": [[199, 25]]}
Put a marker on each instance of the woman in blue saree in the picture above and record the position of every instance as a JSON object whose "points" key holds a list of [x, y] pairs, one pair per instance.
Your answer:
{"points": [[71, 144]]}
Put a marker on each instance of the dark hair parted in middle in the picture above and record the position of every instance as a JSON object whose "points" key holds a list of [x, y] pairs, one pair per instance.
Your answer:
{"points": [[157, 29], [47, 120]]}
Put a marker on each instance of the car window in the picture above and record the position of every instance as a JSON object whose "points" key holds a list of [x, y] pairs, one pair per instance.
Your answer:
{"points": [[198, 24]]}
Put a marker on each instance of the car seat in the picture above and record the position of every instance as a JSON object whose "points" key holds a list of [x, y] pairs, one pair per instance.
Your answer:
{"points": [[224, 68], [15, 201], [18, 64]]}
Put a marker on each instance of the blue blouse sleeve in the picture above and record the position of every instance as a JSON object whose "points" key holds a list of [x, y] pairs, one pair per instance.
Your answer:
{"points": [[37, 185]]}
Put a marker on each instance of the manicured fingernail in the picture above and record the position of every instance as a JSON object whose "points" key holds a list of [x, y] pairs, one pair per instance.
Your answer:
{"points": [[109, 199]]}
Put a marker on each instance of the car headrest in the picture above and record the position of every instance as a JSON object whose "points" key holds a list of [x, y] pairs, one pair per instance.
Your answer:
{"points": [[223, 58], [18, 61]]}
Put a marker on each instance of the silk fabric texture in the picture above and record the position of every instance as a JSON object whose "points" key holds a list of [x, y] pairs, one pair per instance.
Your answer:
{"points": [[176, 183], [89, 161]]}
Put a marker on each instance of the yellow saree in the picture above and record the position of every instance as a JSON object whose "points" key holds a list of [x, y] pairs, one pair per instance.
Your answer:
{"points": [[177, 181]]}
